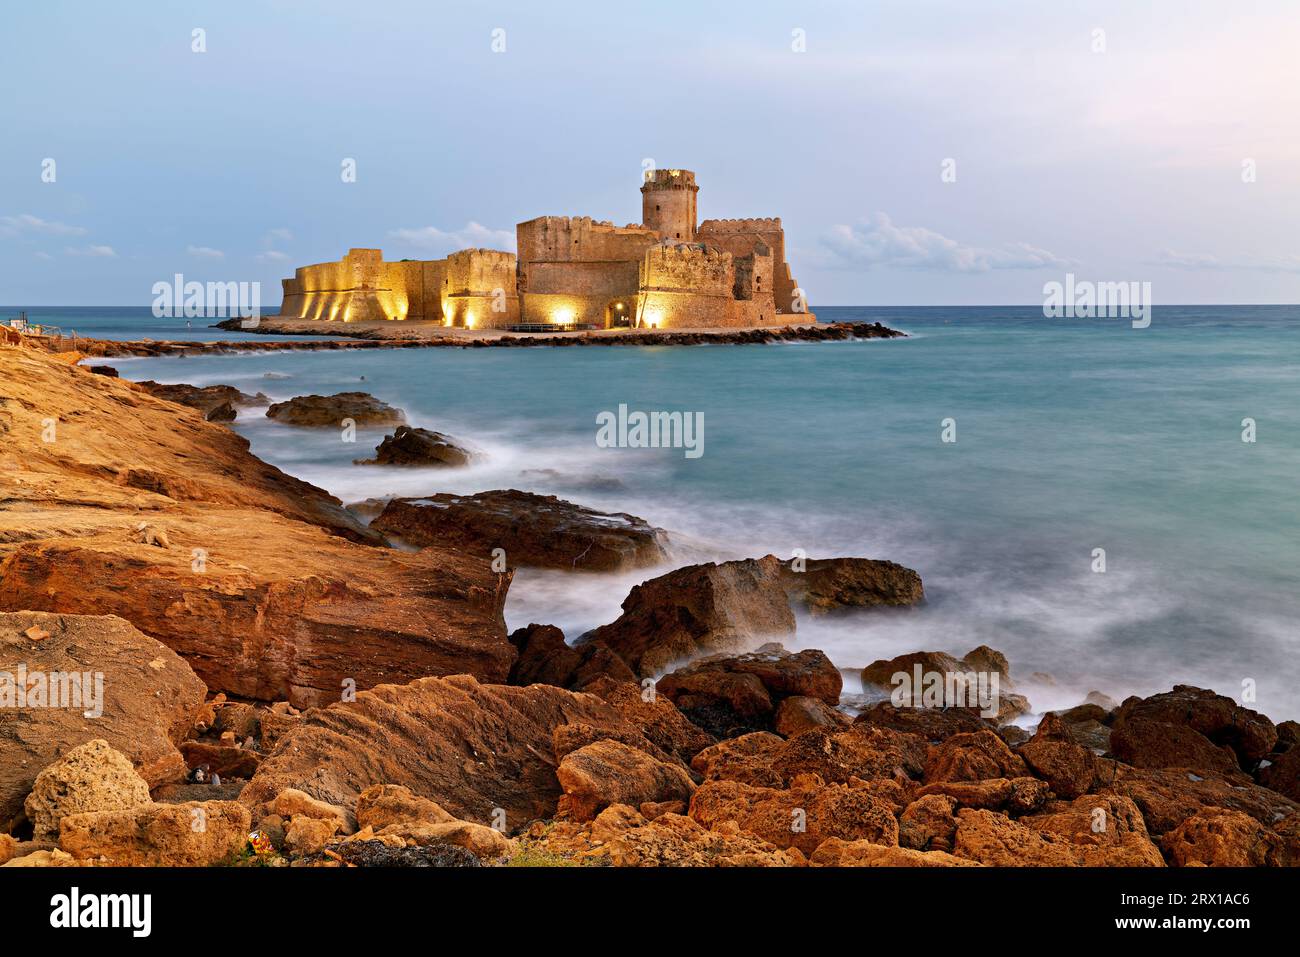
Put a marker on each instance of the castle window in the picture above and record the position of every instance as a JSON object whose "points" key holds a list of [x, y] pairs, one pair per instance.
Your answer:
{"points": [[656, 209]]}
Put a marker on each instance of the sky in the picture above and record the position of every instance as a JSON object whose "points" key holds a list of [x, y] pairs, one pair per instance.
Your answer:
{"points": [[920, 152]]}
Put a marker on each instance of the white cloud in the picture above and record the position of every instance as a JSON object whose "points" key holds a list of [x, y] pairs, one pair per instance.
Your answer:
{"points": [[274, 236], [272, 256], [1205, 261], [104, 252], [205, 252], [26, 223], [474, 235], [878, 242]]}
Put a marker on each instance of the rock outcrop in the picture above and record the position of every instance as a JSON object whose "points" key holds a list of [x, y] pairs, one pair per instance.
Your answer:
{"points": [[334, 411], [835, 584], [546, 658], [208, 399], [699, 610], [419, 447], [535, 530], [145, 701], [92, 777]]}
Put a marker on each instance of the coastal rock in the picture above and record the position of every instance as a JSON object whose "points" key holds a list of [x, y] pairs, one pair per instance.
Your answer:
{"points": [[933, 724], [1169, 796], [1248, 733], [1283, 773], [149, 702], [973, 757], [195, 834], [834, 755], [1218, 837], [653, 716], [835, 852], [539, 531], [206, 398], [699, 610], [1066, 837], [1053, 755], [1145, 743], [746, 759], [672, 840], [800, 713], [222, 413], [546, 658], [469, 747], [410, 446], [747, 688], [928, 823], [803, 816], [834, 584], [90, 777], [1013, 795], [330, 411], [610, 772], [935, 679]]}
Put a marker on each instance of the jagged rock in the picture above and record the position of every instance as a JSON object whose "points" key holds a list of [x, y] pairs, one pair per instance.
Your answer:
{"points": [[1283, 773], [928, 823], [935, 679], [535, 530], [1013, 795], [835, 852], [471, 747], [800, 713], [698, 610], [206, 399], [196, 834], [1145, 743], [609, 772], [384, 804], [1169, 796], [779, 674], [222, 413], [672, 840], [834, 584], [747, 759], [933, 724], [149, 702], [652, 716], [1221, 720], [1218, 837], [410, 446], [1093, 831], [90, 777], [546, 658], [802, 816], [973, 757], [321, 411], [1053, 755]]}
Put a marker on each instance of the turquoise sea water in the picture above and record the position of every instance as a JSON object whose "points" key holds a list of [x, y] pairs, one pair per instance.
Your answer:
{"points": [[1072, 435]]}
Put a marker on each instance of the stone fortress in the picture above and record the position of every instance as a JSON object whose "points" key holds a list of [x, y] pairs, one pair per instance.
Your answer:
{"points": [[577, 273]]}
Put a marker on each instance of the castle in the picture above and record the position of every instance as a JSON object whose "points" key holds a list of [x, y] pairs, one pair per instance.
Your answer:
{"points": [[575, 272]]}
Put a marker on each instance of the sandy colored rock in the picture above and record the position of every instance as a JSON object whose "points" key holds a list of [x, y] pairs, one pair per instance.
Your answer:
{"points": [[195, 834], [800, 713], [928, 823], [44, 858], [676, 841], [1053, 755], [610, 772], [150, 699], [292, 804], [1013, 795], [8, 849], [653, 716], [542, 531], [835, 852], [699, 610], [308, 835], [90, 777], [973, 757], [747, 759], [833, 584], [483, 842], [1093, 831], [1218, 837], [384, 804]]}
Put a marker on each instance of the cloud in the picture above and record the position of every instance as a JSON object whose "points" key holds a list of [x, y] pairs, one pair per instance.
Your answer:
{"points": [[272, 256], [205, 252], [26, 223], [474, 235], [274, 236], [1205, 261], [103, 252], [878, 242]]}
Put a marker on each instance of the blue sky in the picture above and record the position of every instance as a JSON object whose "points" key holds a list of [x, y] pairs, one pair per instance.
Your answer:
{"points": [[1122, 163]]}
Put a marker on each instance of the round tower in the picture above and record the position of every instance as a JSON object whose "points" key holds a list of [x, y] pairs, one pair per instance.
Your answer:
{"points": [[668, 203]]}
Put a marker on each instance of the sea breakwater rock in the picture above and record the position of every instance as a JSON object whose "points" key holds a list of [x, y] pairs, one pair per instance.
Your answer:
{"points": [[736, 694], [90, 777], [698, 610], [535, 530], [467, 746], [833, 584], [1217, 719], [411, 446], [546, 658], [194, 834], [148, 700], [208, 399], [329, 411]]}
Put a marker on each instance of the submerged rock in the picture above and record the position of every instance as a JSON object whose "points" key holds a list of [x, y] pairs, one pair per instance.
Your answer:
{"points": [[422, 447], [322, 411], [535, 530]]}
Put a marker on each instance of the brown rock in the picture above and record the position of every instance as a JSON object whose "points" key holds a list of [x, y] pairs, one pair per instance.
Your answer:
{"points": [[226, 761], [90, 777], [1014, 795], [698, 610], [653, 716], [801, 817], [421, 447], [149, 700], [322, 411], [1248, 733], [938, 680], [1053, 756], [535, 530], [1094, 831], [610, 772], [835, 852], [800, 713], [833, 584], [291, 804], [928, 823], [973, 757], [8, 849], [196, 834], [861, 751], [1145, 743], [672, 840], [385, 804], [483, 842], [1283, 773], [933, 724], [1218, 837], [747, 759], [308, 835], [206, 398], [1168, 796], [545, 658]]}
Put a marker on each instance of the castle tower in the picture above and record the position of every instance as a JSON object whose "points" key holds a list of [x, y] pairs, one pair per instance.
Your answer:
{"points": [[668, 203]]}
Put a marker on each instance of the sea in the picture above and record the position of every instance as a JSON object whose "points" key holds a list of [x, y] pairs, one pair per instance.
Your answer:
{"points": [[1115, 509]]}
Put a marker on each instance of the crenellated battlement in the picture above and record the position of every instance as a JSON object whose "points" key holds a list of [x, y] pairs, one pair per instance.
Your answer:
{"points": [[757, 224]]}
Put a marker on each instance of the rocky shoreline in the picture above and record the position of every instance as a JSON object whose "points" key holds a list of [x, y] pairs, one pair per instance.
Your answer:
{"points": [[271, 664]]}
